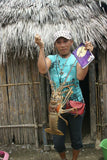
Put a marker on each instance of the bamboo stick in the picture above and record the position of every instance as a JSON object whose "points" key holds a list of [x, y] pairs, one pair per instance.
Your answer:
{"points": [[19, 84], [101, 83], [102, 125], [22, 125]]}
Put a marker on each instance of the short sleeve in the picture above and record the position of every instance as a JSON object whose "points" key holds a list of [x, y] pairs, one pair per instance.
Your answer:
{"points": [[52, 58]]}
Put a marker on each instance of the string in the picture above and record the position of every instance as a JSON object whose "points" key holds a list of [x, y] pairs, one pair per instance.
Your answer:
{"points": [[63, 65]]}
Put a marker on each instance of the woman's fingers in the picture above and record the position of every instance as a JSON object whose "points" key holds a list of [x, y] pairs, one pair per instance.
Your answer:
{"points": [[39, 41], [37, 38], [89, 46]]}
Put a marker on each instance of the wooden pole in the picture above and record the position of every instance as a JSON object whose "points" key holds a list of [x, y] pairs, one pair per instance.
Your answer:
{"points": [[92, 101]]}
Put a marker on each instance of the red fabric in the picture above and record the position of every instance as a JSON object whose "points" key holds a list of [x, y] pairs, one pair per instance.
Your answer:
{"points": [[78, 107]]}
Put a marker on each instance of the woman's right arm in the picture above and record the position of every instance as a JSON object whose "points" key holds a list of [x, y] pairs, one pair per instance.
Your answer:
{"points": [[43, 63]]}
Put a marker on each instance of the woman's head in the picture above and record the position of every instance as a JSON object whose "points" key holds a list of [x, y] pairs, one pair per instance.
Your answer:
{"points": [[63, 42]]}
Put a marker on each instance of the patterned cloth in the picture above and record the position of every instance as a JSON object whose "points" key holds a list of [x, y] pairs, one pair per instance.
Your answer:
{"points": [[65, 34]]}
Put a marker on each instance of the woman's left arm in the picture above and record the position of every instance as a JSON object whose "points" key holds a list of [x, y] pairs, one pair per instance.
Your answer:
{"points": [[81, 73]]}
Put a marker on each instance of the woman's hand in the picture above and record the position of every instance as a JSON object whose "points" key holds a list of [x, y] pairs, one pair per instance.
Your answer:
{"points": [[89, 46], [39, 41]]}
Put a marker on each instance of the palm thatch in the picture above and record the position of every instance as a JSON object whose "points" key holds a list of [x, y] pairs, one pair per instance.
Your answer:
{"points": [[21, 20], [103, 5], [103, 1]]}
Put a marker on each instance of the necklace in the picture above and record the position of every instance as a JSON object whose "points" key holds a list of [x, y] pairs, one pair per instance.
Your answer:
{"points": [[61, 69], [62, 83]]}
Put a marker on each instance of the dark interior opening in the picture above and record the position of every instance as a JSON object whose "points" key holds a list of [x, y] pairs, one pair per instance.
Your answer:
{"points": [[84, 84]]}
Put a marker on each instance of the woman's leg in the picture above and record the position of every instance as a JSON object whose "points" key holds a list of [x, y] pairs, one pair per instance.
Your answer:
{"points": [[75, 154], [62, 155], [59, 141], [75, 128]]}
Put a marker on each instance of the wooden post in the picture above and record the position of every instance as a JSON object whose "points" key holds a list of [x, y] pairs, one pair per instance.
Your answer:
{"points": [[92, 101]]}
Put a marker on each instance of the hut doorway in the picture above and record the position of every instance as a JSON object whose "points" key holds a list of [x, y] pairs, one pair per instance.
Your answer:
{"points": [[85, 90]]}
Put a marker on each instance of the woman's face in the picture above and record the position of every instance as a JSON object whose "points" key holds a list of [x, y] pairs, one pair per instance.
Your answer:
{"points": [[63, 46]]}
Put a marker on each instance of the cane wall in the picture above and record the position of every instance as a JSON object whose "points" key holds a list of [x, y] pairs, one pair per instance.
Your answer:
{"points": [[22, 103], [101, 94]]}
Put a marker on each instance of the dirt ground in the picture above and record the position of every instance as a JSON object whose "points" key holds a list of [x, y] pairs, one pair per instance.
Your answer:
{"points": [[29, 152]]}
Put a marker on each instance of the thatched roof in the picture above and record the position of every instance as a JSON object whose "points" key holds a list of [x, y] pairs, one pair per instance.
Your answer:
{"points": [[104, 1], [20, 20]]}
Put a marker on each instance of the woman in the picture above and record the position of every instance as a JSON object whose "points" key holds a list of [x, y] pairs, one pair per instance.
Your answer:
{"points": [[59, 66]]}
